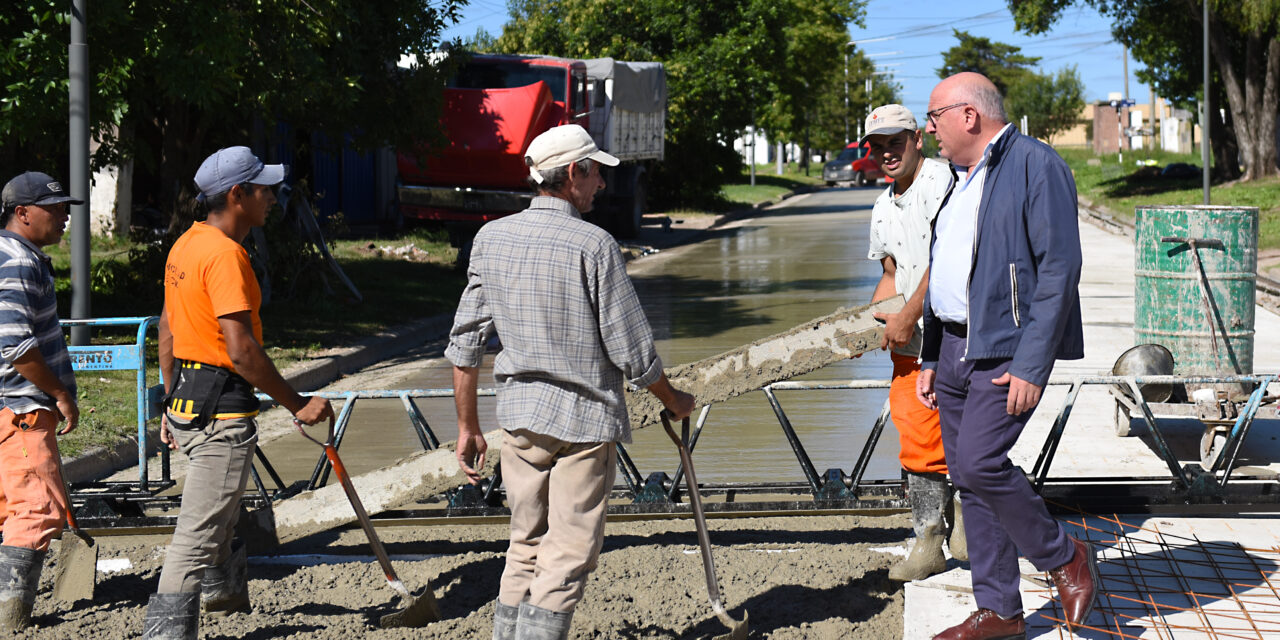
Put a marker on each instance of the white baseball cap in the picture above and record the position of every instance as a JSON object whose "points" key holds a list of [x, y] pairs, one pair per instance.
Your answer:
{"points": [[888, 120], [560, 146]]}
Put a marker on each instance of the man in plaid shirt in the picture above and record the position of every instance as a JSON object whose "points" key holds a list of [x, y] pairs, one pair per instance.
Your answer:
{"points": [[555, 289]]}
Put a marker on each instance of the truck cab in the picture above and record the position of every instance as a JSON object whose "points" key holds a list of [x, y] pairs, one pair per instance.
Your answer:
{"points": [[497, 104], [493, 108]]}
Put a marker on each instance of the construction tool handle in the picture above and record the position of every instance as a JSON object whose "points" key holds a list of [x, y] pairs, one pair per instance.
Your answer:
{"points": [[361, 515], [297, 424], [71, 516], [695, 500]]}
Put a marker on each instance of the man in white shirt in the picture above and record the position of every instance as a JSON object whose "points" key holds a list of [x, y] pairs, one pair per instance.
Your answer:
{"points": [[901, 228]]}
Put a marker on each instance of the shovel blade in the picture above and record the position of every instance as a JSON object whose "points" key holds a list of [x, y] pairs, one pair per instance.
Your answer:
{"points": [[77, 570], [416, 611], [737, 630]]}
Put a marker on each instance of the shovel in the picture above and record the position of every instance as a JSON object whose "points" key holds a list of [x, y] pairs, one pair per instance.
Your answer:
{"points": [[415, 610], [737, 630], [77, 558]]}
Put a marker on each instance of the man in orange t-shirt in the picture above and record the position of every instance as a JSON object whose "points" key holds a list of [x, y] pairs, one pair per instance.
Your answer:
{"points": [[212, 356]]}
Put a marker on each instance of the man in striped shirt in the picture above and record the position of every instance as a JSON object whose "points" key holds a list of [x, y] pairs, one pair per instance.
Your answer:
{"points": [[37, 389], [555, 289]]}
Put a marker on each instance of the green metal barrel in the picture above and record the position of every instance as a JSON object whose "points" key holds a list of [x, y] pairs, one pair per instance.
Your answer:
{"points": [[1208, 335]]}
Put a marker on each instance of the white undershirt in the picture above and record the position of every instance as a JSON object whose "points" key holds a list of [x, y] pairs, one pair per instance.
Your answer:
{"points": [[953, 249]]}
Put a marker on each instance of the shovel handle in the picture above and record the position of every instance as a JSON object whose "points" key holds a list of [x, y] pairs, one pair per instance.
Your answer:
{"points": [[695, 500], [361, 515], [344, 478]]}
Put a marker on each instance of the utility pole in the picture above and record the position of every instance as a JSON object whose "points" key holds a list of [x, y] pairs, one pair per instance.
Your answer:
{"points": [[1204, 109], [1126, 71], [78, 69]]}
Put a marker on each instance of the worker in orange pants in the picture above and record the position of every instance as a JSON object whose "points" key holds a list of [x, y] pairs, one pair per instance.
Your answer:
{"points": [[39, 389], [901, 228]]}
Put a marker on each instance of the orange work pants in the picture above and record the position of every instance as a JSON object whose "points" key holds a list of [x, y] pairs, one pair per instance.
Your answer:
{"points": [[919, 429], [32, 503]]}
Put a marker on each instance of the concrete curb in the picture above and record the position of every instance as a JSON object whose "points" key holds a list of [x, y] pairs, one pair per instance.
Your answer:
{"points": [[100, 462]]}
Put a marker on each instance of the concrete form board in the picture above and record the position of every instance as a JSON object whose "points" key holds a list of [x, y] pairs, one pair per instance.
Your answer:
{"points": [[414, 478], [799, 350]]}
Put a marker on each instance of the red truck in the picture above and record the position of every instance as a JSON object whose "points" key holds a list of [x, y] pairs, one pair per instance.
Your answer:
{"points": [[854, 164], [497, 104]]}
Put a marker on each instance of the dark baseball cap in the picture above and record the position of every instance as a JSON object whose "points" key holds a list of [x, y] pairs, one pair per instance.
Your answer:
{"points": [[231, 166], [35, 188]]}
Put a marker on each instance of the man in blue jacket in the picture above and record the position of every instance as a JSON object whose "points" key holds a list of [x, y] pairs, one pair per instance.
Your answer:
{"points": [[1002, 305]]}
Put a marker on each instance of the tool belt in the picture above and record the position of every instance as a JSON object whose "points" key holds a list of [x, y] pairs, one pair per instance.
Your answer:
{"points": [[202, 392]]}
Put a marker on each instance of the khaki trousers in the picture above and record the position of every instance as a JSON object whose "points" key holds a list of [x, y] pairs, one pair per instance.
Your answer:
{"points": [[219, 457], [32, 504], [558, 492]]}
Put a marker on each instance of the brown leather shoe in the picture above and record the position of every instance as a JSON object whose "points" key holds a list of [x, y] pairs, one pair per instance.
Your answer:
{"points": [[985, 624], [1077, 582]]}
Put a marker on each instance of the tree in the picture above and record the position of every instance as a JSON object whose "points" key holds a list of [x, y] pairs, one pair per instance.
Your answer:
{"points": [[730, 64], [1051, 102], [1244, 39], [1000, 62], [172, 81]]}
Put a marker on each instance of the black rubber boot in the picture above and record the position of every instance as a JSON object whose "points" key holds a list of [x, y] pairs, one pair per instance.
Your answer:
{"points": [[504, 621], [172, 616], [19, 577], [535, 623], [224, 589], [929, 494]]}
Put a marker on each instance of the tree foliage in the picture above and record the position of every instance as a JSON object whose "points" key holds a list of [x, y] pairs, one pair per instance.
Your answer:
{"points": [[1166, 36], [171, 81], [1002, 63], [729, 64], [1050, 101]]}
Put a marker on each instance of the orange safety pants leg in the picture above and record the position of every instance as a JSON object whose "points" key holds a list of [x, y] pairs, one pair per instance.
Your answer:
{"points": [[919, 429], [32, 504]]}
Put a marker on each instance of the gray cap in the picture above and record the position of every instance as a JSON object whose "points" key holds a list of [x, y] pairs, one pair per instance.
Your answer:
{"points": [[36, 188], [231, 166], [888, 120]]}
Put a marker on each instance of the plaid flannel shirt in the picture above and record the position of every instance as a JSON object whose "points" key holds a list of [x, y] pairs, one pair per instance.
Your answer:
{"points": [[555, 290]]}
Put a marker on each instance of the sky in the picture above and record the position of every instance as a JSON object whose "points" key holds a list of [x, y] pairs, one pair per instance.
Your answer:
{"points": [[912, 34]]}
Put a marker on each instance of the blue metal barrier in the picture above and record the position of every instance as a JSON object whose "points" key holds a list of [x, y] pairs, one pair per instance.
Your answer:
{"points": [[122, 357]]}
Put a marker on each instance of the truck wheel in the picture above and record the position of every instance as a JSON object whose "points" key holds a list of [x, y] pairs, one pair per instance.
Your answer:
{"points": [[630, 213], [860, 179], [464, 254]]}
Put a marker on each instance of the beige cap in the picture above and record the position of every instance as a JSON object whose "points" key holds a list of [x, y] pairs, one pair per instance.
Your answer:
{"points": [[888, 120], [561, 146]]}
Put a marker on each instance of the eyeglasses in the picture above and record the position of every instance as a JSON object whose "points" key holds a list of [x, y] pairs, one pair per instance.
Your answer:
{"points": [[933, 115]]}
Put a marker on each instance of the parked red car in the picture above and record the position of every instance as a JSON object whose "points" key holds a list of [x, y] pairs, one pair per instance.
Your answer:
{"points": [[854, 164]]}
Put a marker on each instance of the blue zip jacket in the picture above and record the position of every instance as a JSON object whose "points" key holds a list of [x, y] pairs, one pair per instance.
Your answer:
{"points": [[1024, 303]]}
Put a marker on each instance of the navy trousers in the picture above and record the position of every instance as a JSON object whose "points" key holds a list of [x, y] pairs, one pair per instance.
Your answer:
{"points": [[1003, 515]]}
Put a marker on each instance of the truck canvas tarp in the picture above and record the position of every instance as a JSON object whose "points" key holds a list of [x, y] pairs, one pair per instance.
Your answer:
{"points": [[630, 100]]}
